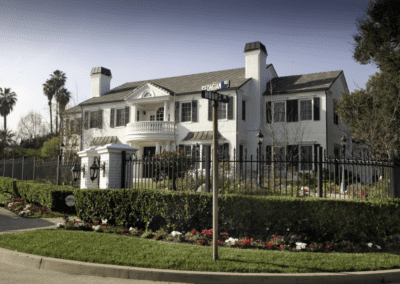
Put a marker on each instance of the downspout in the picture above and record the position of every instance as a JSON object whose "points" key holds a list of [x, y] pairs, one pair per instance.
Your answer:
{"points": [[173, 114], [326, 122], [82, 123]]}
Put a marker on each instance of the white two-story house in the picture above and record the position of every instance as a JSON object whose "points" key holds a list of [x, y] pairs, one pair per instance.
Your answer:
{"points": [[294, 113]]}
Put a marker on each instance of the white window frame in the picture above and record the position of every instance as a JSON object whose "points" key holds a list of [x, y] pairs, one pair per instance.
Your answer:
{"points": [[284, 110], [181, 111], [116, 117], [312, 113]]}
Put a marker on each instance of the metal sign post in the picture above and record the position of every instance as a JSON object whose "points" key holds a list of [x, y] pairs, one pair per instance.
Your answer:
{"points": [[215, 181], [215, 97]]}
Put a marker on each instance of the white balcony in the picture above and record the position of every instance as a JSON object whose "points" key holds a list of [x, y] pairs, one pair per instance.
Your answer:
{"points": [[149, 130]]}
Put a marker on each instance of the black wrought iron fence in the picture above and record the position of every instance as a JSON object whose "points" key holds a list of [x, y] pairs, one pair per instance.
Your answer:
{"points": [[288, 175], [52, 171]]}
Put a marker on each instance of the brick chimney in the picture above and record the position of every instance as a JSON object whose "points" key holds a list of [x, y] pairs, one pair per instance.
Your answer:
{"points": [[101, 78]]}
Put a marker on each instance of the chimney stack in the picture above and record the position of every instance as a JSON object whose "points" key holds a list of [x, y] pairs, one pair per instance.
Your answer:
{"points": [[101, 78], [256, 66]]}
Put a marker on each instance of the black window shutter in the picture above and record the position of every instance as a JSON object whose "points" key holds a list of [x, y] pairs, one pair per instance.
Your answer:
{"points": [[194, 111], [86, 123], [112, 117], [67, 125], [268, 155], [79, 124], [268, 112], [137, 116], [243, 110], [176, 111], [316, 108], [209, 110], [126, 115], [100, 119], [295, 108], [230, 108], [226, 151]]}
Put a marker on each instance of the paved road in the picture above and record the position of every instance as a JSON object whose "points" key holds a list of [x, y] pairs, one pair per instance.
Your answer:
{"points": [[23, 275]]}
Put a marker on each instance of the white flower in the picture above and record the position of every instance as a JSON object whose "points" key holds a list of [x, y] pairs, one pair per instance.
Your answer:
{"points": [[104, 221], [59, 224], [370, 244], [22, 213], [132, 229], [78, 224], [11, 204], [232, 240], [378, 247], [175, 233], [288, 229], [300, 245], [96, 227]]}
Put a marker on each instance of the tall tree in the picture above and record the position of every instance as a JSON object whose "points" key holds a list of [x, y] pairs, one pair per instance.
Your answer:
{"points": [[373, 114], [379, 35], [49, 91], [62, 96], [8, 100], [59, 79], [31, 126]]}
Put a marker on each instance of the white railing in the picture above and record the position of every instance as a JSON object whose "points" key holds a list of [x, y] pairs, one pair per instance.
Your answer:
{"points": [[166, 127]]}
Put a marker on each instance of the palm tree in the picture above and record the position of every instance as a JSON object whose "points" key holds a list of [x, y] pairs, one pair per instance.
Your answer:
{"points": [[62, 96], [52, 86], [7, 102], [59, 82], [7, 139], [49, 91]]}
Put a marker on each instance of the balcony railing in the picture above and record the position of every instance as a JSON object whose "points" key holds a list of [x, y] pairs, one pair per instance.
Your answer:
{"points": [[164, 127]]}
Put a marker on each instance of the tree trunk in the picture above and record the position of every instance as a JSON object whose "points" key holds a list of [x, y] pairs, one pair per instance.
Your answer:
{"points": [[51, 119]]}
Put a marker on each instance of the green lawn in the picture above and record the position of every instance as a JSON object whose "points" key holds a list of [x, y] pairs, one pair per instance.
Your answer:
{"points": [[115, 249]]}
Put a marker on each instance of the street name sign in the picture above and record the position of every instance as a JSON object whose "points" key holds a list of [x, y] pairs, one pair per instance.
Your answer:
{"points": [[215, 96]]}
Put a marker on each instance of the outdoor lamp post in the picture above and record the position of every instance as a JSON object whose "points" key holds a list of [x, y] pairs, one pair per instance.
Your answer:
{"points": [[94, 168], [260, 137], [343, 185], [76, 170]]}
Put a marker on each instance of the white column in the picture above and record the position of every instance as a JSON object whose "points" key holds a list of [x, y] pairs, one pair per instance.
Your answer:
{"points": [[168, 146], [172, 111], [86, 161], [165, 111], [134, 113], [157, 147]]}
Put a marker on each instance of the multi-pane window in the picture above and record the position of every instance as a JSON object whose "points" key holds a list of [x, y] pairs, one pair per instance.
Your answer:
{"points": [[94, 119], [160, 114], [221, 110], [305, 110], [306, 158], [186, 112], [120, 117], [152, 117], [279, 112]]}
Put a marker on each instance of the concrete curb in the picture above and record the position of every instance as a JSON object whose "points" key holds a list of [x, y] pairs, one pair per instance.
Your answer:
{"points": [[127, 272]]}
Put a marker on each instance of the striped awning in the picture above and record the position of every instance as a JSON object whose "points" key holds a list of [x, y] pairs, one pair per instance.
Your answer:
{"points": [[101, 141], [201, 136]]}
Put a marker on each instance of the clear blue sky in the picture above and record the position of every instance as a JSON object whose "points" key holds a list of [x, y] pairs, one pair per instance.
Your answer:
{"points": [[143, 40]]}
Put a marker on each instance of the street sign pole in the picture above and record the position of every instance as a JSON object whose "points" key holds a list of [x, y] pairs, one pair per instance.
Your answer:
{"points": [[215, 181]]}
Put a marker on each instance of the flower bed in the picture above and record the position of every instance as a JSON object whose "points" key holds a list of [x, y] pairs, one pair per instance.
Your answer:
{"points": [[275, 241]]}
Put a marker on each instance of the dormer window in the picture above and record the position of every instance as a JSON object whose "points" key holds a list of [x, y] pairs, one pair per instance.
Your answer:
{"points": [[147, 95]]}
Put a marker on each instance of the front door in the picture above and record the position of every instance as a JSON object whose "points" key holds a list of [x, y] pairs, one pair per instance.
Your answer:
{"points": [[147, 158]]}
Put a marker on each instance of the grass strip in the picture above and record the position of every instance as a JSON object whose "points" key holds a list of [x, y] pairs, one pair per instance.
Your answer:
{"points": [[95, 247]]}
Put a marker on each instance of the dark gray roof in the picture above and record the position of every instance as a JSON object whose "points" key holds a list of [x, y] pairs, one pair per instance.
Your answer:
{"points": [[302, 83], [255, 46], [101, 70], [101, 141], [179, 85], [201, 136]]}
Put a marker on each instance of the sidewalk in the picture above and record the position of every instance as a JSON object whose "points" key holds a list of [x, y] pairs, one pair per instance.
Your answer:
{"points": [[10, 223]]}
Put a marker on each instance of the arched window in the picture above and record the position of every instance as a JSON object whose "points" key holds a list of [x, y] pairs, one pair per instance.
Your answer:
{"points": [[160, 114], [146, 95]]}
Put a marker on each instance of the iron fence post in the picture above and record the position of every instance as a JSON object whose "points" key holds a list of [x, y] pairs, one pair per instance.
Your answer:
{"points": [[58, 170], [393, 191], [4, 166], [34, 165], [319, 159], [123, 161], [12, 173], [22, 170]]}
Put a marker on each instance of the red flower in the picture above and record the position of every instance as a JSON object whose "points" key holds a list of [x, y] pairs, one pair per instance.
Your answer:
{"points": [[193, 231], [281, 246]]}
